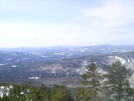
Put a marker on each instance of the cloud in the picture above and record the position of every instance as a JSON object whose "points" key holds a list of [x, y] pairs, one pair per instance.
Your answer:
{"points": [[111, 15], [56, 39], [73, 38], [119, 32], [36, 39]]}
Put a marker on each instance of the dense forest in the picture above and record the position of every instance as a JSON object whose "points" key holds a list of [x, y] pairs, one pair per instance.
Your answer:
{"points": [[111, 86]]}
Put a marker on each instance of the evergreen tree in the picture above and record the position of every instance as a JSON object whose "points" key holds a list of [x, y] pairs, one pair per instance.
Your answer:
{"points": [[14, 92], [44, 93], [117, 82], [60, 93], [91, 83]]}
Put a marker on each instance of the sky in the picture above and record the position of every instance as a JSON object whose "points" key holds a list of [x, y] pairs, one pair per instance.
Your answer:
{"points": [[39, 23]]}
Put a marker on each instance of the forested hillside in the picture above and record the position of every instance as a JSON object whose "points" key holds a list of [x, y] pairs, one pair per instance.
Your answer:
{"points": [[111, 86], [60, 71]]}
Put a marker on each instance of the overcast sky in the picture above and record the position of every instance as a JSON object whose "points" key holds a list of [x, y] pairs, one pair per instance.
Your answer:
{"points": [[32, 23]]}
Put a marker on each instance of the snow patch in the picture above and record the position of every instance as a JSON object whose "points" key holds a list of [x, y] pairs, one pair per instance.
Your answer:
{"points": [[14, 66], [10, 58], [2, 64], [111, 57], [128, 60], [101, 71], [36, 53], [5, 90], [17, 60], [84, 50], [61, 53], [123, 61], [53, 71], [34, 77], [77, 70], [44, 56]]}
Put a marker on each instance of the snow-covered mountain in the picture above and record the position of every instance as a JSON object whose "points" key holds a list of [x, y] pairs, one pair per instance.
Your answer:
{"points": [[48, 53], [59, 64]]}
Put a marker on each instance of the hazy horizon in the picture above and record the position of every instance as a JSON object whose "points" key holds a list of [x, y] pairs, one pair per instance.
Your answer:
{"points": [[61, 46], [26, 23]]}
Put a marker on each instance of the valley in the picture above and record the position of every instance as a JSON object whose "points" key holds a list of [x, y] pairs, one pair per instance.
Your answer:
{"points": [[59, 65]]}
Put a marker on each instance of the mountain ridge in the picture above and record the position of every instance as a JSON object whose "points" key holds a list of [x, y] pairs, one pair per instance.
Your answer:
{"points": [[59, 63]]}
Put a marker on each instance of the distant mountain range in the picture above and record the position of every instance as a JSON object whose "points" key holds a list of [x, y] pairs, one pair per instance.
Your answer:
{"points": [[63, 65], [47, 53]]}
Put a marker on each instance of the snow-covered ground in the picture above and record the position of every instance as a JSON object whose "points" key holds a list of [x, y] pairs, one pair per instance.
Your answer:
{"points": [[34, 77], [5, 90], [61, 53], [14, 65], [123, 61], [84, 49]]}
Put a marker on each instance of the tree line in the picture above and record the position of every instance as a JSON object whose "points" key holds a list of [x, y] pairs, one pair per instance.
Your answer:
{"points": [[111, 86], [114, 85]]}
